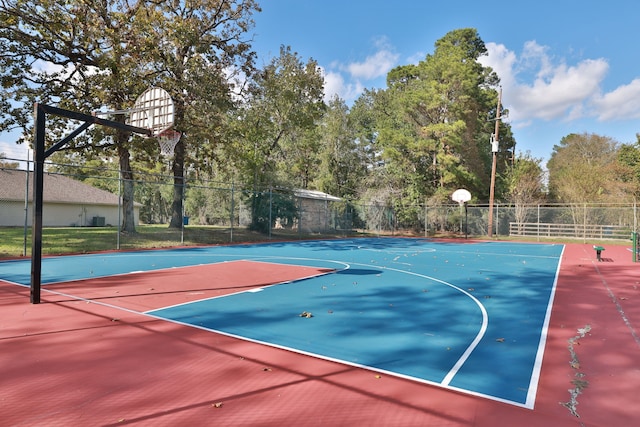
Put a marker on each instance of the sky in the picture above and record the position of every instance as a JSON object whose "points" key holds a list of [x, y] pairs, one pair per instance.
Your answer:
{"points": [[566, 66]]}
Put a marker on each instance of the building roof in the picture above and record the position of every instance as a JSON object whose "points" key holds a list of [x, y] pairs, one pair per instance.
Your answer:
{"points": [[316, 195], [56, 189]]}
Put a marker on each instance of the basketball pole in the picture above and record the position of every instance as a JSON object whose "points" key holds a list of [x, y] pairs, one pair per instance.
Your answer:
{"points": [[40, 155], [466, 222]]}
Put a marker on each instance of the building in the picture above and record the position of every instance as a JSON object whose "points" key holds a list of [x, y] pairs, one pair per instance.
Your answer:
{"points": [[66, 202], [315, 211]]}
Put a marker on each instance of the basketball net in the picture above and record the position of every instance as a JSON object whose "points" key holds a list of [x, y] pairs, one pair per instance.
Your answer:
{"points": [[168, 139]]}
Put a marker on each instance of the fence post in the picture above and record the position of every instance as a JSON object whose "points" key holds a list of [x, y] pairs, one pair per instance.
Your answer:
{"points": [[426, 221], [538, 224], [26, 210], [584, 223], [232, 211], [119, 208], [300, 216], [184, 199], [270, 208]]}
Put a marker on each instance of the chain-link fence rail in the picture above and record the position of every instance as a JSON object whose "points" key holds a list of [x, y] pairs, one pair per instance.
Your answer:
{"points": [[100, 210]]}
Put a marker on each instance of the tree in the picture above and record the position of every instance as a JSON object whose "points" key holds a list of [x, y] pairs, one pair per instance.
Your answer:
{"points": [[581, 168], [105, 53], [199, 48], [525, 183], [432, 126], [80, 55], [285, 101], [342, 164], [629, 167]]}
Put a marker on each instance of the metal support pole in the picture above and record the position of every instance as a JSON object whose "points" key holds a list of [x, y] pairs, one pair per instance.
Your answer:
{"points": [[232, 217], [40, 155], [36, 222], [119, 227], [270, 208], [466, 222]]}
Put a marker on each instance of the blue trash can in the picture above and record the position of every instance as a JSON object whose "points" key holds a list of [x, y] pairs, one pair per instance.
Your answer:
{"points": [[185, 220]]}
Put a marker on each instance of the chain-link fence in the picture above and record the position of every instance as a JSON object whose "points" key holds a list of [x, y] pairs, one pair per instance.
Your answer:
{"points": [[569, 221], [107, 212]]}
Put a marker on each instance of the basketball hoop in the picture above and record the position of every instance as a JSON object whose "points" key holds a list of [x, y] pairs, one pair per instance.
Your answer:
{"points": [[462, 196], [168, 139]]}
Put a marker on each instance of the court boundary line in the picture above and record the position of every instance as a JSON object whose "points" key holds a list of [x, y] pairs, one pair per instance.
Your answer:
{"points": [[544, 333]]}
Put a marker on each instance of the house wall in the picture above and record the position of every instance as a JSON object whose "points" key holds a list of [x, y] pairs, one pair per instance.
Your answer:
{"points": [[12, 214]]}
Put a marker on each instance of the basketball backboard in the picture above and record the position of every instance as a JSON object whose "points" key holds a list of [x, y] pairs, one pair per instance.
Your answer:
{"points": [[461, 196], [153, 110]]}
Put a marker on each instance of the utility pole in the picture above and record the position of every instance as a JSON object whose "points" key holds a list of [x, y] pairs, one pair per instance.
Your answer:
{"points": [[494, 152]]}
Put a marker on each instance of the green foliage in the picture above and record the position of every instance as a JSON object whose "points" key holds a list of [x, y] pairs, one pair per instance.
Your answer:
{"points": [[628, 171], [525, 180], [582, 169], [430, 125], [342, 164], [155, 195], [208, 205], [275, 129]]}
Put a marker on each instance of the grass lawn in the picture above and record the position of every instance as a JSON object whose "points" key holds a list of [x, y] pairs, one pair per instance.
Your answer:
{"points": [[65, 240]]}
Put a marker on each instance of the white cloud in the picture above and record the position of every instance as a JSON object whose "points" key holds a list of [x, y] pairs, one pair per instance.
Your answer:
{"points": [[349, 80], [536, 87], [502, 61], [46, 67], [374, 66], [621, 103], [334, 84]]}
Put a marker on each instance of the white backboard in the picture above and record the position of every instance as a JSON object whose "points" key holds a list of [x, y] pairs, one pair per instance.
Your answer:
{"points": [[461, 196], [153, 110]]}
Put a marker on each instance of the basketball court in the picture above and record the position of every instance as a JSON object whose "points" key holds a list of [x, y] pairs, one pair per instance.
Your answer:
{"points": [[330, 332]]}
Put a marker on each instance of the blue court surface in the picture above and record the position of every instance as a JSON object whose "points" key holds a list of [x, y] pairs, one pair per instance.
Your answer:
{"points": [[467, 316]]}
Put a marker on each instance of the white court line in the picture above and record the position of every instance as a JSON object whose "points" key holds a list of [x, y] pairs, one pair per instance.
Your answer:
{"points": [[459, 363], [483, 327]]}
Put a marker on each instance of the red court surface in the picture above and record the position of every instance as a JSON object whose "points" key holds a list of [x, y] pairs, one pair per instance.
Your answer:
{"points": [[77, 362]]}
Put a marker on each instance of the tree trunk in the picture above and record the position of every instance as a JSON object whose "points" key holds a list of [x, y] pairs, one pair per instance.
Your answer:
{"points": [[178, 185], [126, 175]]}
